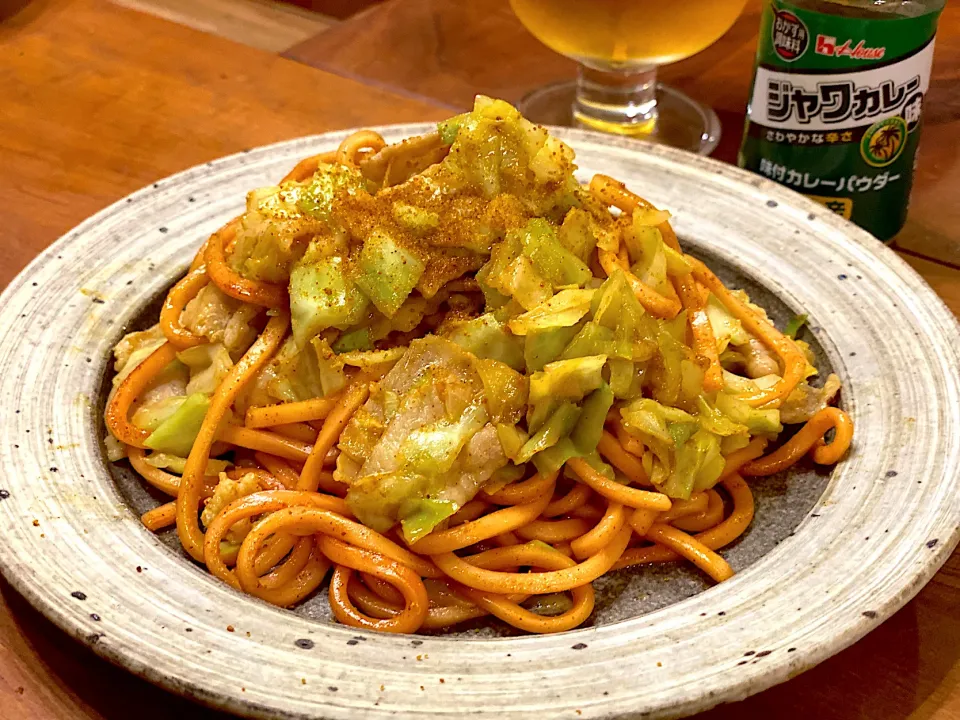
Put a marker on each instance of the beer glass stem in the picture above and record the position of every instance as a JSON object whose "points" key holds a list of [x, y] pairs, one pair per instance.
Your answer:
{"points": [[610, 98]]}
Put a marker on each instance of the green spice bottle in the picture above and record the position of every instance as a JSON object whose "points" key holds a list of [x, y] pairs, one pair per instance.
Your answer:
{"points": [[837, 103]]}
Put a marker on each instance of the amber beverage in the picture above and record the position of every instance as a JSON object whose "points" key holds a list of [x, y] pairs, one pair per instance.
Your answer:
{"points": [[618, 45], [627, 32]]}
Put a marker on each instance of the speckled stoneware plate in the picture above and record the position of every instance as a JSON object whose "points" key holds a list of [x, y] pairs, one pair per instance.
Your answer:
{"points": [[829, 556]]}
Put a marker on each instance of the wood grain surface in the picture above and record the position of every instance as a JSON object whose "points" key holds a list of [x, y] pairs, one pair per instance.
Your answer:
{"points": [[264, 24], [447, 51], [99, 101]]}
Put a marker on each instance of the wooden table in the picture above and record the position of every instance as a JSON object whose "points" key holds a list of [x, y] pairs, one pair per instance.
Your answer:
{"points": [[99, 101]]}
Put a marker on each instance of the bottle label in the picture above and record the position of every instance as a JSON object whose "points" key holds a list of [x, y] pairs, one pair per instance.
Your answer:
{"points": [[836, 109]]}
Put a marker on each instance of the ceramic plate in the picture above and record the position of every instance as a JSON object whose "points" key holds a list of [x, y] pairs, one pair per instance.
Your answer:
{"points": [[830, 554]]}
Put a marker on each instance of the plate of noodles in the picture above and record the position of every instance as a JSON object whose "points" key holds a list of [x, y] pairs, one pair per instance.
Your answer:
{"points": [[473, 418]]}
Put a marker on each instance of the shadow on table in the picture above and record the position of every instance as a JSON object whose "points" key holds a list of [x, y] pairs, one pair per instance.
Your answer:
{"points": [[78, 682], [892, 673]]}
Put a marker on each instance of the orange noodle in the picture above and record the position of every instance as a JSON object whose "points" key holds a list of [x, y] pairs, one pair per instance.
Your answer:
{"points": [[177, 299], [807, 439], [793, 361], [305, 411], [705, 519], [694, 551], [305, 169], [270, 442], [235, 285], [117, 415], [304, 432], [188, 500], [631, 497]]}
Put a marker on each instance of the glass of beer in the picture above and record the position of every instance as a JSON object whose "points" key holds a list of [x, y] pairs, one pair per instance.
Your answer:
{"points": [[618, 45]]}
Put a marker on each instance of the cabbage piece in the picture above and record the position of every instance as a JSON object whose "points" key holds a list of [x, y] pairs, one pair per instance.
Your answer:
{"points": [[176, 434], [424, 434], [646, 247], [448, 128], [512, 439], [166, 461], [805, 401], [733, 443], [329, 367], [272, 232], [738, 385], [525, 284], [133, 349], [612, 299], [116, 450], [553, 261], [756, 420], [502, 254], [487, 337], [361, 436], [667, 378], [544, 346], [372, 360], [151, 415], [510, 273], [417, 220], [681, 432], [418, 517], [316, 196], [553, 162], [698, 466], [625, 382], [504, 476], [717, 421], [489, 151], [492, 297], [295, 374], [433, 448], [570, 379], [495, 109], [691, 381], [160, 399], [726, 328], [387, 272], [321, 297], [354, 340], [208, 364], [376, 498], [414, 309], [712, 464], [496, 151], [576, 233], [505, 390], [558, 426], [592, 339], [593, 414], [564, 309], [616, 307], [646, 218], [553, 458], [648, 417]]}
